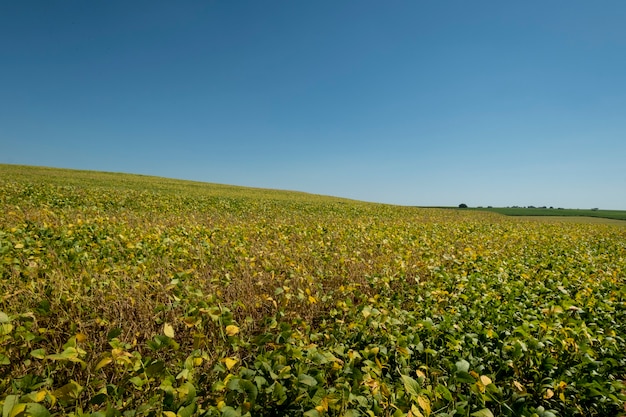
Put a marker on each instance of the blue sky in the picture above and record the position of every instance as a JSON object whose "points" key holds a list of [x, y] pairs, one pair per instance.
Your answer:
{"points": [[404, 102]]}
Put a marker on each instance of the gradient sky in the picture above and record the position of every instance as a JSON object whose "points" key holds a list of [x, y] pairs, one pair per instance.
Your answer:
{"points": [[406, 102]]}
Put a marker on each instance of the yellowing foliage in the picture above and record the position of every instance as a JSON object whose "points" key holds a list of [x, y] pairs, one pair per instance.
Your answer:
{"points": [[128, 294]]}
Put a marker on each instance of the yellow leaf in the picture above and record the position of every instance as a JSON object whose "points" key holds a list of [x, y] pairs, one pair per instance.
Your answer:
{"points": [[323, 406], [312, 299], [230, 362], [420, 374], [415, 412], [39, 396], [549, 394], [519, 386], [35, 397], [81, 337], [52, 398], [403, 351], [169, 414], [232, 330], [485, 380], [119, 353], [168, 330], [190, 321], [104, 362], [424, 404], [17, 410]]}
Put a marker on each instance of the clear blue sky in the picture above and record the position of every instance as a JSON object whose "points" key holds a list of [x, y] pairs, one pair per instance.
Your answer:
{"points": [[406, 102]]}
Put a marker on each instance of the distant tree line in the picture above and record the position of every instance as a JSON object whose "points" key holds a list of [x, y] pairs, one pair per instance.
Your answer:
{"points": [[463, 205]]}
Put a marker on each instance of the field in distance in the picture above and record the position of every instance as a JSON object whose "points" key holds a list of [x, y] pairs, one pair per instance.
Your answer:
{"points": [[128, 295], [557, 212]]}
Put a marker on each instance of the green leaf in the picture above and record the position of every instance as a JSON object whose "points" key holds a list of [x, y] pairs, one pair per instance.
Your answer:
{"points": [[278, 393], [260, 381], [463, 376], [9, 402], [113, 333], [43, 307], [98, 399], [307, 380], [38, 353], [4, 360], [233, 384], [411, 386], [229, 411], [485, 412], [318, 397], [444, 391], [69, 354], [462, 366], [68, 392], [4, 318], [36, 410], [187, 392], [249, 388], [188, 410], [5, 328], [155, 368], [137, 381], [285, 372]]}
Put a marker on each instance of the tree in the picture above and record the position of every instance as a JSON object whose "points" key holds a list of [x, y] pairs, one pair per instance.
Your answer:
{"points": [[462, 205]]}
